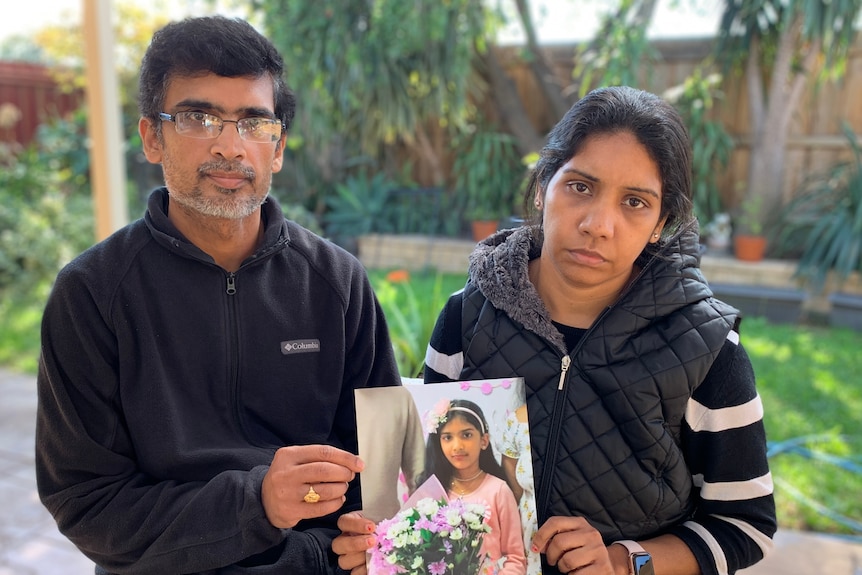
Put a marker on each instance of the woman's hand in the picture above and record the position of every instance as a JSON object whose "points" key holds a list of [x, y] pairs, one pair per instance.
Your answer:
{"points": [[356, 538], [572, 544]]}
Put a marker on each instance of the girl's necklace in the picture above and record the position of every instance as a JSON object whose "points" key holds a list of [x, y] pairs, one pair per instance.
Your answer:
{"points": [[463, 482]]}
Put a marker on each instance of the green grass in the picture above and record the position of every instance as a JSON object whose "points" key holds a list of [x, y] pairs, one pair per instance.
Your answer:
{"points": [[19, 334], [810, 380]]}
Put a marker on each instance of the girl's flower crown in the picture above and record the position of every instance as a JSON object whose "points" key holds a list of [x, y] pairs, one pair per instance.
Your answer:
{"points": [[439, 414]]}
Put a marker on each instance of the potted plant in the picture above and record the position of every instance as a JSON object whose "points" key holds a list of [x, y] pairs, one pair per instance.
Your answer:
{"points": [[825, 219], [749, 243], [488, 176]]}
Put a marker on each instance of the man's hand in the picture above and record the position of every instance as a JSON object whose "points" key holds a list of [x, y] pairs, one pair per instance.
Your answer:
{"points": [[356, 538], [297, 469]]}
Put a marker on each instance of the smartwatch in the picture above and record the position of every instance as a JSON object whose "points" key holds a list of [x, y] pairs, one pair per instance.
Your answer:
{"points": [[640, 562]]}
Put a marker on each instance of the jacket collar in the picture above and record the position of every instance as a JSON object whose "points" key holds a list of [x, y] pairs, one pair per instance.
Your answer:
{"points": [[669, 279]]}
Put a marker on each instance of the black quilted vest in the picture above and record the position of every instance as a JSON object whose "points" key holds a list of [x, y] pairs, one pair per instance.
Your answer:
{"points": [[605, 435]]}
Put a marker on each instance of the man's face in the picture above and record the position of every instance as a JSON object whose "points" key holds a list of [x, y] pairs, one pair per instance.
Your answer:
{"points": [[224, 177]]}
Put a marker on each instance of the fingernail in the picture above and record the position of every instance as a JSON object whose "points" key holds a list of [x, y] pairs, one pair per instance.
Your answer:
{"points": [[369, 527], [534, 548]]}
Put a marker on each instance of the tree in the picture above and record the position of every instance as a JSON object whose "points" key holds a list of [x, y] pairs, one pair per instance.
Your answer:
{"points": [[781, 44], [375, 73]]}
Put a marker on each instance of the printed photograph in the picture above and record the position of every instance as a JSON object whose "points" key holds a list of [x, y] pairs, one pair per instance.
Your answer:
{"points": [[448, 478]]}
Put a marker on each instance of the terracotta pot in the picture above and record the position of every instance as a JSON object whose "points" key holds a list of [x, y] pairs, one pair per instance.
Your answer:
{"points": [[749, 248], [483, 228]]}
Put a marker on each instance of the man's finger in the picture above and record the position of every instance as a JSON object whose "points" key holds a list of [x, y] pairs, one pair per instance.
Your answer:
{"points": [[300, 454]]}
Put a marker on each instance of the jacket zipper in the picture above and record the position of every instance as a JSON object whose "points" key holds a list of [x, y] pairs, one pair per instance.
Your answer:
{"points": [[556, 424], [233, 367], [543, 494]]}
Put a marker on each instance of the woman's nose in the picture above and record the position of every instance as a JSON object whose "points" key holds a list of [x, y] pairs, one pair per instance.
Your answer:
{"points": [[598, 221]]}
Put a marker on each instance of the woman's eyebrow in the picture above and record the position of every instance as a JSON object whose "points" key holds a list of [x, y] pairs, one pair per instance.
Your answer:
{"points": [[593, 178]]}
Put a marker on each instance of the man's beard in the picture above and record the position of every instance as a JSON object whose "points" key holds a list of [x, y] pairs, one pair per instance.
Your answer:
{"points": [[231, 204]]}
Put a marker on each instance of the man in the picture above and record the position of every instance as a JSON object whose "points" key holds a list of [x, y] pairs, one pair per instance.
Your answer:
{"points": [[198, 366]]}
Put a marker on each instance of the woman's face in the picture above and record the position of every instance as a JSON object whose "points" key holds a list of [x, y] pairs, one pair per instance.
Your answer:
{"points": [[599, 211], [462, 444]]}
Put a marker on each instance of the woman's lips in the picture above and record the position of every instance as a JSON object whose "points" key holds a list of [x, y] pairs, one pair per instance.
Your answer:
{"points": [[587, 257]]}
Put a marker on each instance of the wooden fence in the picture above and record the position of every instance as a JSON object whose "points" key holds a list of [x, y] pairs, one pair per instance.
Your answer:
{"points": [[816, 139], [28, 97]]}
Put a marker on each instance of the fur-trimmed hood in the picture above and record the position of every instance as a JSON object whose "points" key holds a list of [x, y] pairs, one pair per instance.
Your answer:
{"points": [[668, 280]]}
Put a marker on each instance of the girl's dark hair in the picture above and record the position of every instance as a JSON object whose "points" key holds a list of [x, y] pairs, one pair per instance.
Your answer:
{"points": [[656, 125], [214, 44], [435, 460]]}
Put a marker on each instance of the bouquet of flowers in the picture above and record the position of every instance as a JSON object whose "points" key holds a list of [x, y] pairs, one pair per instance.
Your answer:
{"points": [[433, 537]]}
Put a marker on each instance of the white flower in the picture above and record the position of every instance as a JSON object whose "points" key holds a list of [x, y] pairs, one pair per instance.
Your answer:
{"points": [[427, 507], [453, 517]]}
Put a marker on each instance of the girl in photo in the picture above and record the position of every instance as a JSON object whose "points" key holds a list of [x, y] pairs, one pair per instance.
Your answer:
{"points": [[459, 453]]}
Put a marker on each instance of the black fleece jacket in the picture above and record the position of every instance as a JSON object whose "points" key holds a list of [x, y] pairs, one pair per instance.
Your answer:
{"points": [[166, 384]]}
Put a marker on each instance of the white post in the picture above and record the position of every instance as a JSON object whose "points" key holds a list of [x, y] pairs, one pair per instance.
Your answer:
{"points": [[107, 161]]}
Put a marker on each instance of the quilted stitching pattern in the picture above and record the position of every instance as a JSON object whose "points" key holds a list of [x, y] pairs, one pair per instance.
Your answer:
{"points": [[618, 459]]}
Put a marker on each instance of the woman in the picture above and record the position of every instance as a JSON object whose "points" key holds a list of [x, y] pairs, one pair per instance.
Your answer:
{"points": [[646, 427]]}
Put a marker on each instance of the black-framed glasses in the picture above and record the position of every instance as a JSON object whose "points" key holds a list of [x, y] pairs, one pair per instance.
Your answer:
{"points": [[205, 126]]}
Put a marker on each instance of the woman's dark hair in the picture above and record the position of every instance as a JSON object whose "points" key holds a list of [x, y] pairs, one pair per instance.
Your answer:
{"points": [[653, 122], [435, 460], [223, 46]]}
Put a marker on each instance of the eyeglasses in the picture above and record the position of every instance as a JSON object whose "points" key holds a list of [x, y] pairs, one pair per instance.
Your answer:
{"points": [[207, 127]]}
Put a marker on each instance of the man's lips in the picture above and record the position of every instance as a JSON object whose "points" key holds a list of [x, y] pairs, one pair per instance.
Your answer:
{"points": [[227, 180]]}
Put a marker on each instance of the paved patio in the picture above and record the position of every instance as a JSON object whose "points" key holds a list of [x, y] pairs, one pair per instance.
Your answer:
{"points": [[31, 545]]}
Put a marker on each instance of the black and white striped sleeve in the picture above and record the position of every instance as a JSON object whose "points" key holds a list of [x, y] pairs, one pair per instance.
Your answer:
{"points": [[724, 441], [444, 357]]}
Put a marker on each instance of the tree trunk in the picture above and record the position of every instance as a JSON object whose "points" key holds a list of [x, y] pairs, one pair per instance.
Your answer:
{"points": [[510, 107], [771, 123], [544, 75]]}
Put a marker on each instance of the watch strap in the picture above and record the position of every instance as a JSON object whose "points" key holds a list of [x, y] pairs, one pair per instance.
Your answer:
{"points": [[632, 547]]}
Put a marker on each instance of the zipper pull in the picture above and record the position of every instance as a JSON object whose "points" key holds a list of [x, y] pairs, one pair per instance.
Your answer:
{"points": [[564, 368], [231, 284]]}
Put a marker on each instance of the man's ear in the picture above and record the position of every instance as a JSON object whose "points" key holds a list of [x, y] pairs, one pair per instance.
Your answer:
{"points": [[278, 158], [151, 141]]}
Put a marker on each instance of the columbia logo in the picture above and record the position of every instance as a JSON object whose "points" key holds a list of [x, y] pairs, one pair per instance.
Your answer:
{"points": [[300, 346]]}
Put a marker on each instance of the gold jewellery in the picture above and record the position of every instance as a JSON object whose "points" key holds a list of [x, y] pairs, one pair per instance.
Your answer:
{"points": [[312, 496], [463, 482]]}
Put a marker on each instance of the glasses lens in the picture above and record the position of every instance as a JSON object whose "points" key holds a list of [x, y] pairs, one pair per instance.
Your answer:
{"points": [[198, 125], [259, 129]]}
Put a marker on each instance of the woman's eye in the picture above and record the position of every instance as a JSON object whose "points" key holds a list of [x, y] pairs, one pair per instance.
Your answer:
{"points": [[579, 187], [635, 203]]}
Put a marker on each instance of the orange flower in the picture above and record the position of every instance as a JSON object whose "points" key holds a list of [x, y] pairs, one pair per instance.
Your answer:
{"points": [[398, 276]]}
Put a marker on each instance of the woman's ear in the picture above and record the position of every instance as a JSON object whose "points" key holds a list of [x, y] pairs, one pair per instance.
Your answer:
{"points": [[656, 234]]}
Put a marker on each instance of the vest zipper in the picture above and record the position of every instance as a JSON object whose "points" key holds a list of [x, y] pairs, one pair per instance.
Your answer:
{"points": [[566, 361], [553, 443], [231, 283]]}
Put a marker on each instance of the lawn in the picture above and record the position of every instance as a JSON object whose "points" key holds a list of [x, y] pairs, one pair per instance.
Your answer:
{"points": [[810, 380]]}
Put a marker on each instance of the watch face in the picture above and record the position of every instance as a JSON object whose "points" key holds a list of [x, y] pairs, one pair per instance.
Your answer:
{"points": [[642, 564]]}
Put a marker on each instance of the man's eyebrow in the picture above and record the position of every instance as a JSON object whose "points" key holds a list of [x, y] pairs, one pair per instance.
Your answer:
{"points": [[593, 178], [246, 112]]}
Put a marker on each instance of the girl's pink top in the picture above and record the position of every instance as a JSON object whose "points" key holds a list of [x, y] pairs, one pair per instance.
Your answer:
{"points": [[506, 537]]}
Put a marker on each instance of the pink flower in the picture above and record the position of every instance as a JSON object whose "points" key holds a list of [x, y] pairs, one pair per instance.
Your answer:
{"points": [[436, 416], [487, 389]]}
